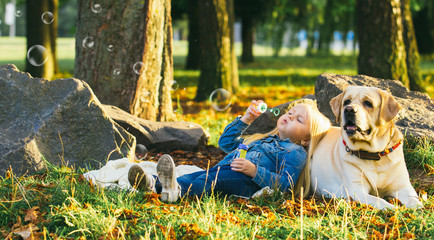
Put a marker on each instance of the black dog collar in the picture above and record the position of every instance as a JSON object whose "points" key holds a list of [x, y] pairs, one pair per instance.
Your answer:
{"points": [[365, 155]]}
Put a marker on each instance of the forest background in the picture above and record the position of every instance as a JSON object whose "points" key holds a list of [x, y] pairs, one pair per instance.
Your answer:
{"points": [[269, 50]]}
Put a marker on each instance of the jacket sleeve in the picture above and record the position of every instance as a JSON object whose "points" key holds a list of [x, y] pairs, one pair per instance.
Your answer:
{"points": [[230, 138], [291, 165]]}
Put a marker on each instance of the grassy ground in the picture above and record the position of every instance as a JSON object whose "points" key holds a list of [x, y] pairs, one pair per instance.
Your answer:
{"points": [[59, 203]]}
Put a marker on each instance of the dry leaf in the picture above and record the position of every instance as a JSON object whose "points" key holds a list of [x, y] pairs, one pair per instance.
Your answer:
{"points": [[32, 214], [429, 169]]}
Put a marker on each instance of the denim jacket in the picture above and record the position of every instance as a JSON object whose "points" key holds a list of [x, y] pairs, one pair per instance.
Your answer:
{"points": [[279, 162]]}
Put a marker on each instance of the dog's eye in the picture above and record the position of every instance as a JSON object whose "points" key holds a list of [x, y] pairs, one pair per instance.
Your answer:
{"points": [[346, 102], [367, 104]]}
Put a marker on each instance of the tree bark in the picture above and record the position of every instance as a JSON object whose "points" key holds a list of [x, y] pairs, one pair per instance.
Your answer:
{"points": [[216, 52], [382, 48], [54, 9], [411, 50], [41, 39], [193, 57], [124, 52], [234, 62], [247, 33]]}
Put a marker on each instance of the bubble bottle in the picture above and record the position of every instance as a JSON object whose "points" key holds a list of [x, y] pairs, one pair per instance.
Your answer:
{"points": [[242, 149], [259, 107]]}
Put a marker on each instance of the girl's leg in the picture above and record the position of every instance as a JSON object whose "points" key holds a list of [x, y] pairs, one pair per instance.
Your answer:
{"points": [[221, 180]]}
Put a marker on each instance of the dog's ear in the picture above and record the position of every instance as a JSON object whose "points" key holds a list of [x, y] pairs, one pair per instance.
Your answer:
{"points": [[389, 107], [336, 104]]}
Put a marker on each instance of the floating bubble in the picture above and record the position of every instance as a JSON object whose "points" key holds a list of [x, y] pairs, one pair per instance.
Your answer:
{"points": [[220, 99], [47, 17], [275, 111], [116, 71], [96, 8], [18, 13], [137, 67], [88, 42], [110, 48], [37, 55], [175, 85]]}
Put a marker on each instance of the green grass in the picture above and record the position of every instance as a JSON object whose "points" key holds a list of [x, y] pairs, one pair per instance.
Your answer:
{"points": [[58, 203]]}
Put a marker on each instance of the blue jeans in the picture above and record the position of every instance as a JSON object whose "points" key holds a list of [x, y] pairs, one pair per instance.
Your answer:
{"points": [[219, 179]]}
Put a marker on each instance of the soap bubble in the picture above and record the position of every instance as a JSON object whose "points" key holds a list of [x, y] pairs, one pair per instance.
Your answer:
{"points": [[37, 55], [137, 67], [96, 8], [220, 99], [110, 48], [116, 71], [175, 85], [88, 42], [47, 17], [18, 13], [275, 111]]}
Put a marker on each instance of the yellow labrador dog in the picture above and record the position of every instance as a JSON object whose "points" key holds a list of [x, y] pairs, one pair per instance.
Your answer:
{"points": [[363, 159]]}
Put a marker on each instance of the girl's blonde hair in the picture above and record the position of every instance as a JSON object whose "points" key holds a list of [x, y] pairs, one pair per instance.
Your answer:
{"points": [[319, 125]]}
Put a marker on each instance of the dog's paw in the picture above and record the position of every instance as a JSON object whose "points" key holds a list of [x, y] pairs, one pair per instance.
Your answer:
{"points": [[413, 202]]}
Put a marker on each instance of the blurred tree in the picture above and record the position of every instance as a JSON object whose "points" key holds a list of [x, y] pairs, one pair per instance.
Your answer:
{"points": [[250, 12], [68, 15], [412, 54], [193, 57], [124, 52], [41, 33], [423, 17], [338, 16], [284, 12], [383, 39], [218, 64]]}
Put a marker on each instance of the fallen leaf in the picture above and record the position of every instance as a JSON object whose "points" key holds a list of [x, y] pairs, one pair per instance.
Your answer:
{"points": [[33, 215], [24, 231], [429, 169]]}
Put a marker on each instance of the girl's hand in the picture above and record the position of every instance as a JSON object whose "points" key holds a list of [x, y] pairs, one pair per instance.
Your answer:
{"points": [[250, 115], [243, 165]]}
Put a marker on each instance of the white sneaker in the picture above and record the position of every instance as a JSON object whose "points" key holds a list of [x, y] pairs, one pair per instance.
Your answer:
{"points": [[166, 173], [139, 180]]}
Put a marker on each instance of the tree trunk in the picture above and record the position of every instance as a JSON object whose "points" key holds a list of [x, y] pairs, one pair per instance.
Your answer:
{"points": [[54, 9], [412, 53], [382, 48], [326, 29], [124, 52], [424, 28], [247, 33], [41, 44], [216, 57], [234, 63], [193, 57]]}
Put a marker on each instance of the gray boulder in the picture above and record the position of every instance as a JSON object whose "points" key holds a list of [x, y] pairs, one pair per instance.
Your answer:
{"points": [[60, 122], [160, 136], [416, 118]]}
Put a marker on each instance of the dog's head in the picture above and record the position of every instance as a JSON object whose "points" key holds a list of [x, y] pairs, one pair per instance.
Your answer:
{"points": [[364, 114]]}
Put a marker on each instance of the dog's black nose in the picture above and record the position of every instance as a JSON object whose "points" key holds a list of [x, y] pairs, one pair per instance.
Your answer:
{"points": [[349, 109]]}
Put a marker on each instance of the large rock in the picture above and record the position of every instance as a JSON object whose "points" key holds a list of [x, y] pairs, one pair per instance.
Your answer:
{"points": [[416, 118], [161, 136], [60, 121]]}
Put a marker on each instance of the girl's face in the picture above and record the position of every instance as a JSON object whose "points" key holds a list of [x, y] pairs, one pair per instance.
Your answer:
{"points": [[295, 125]]}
